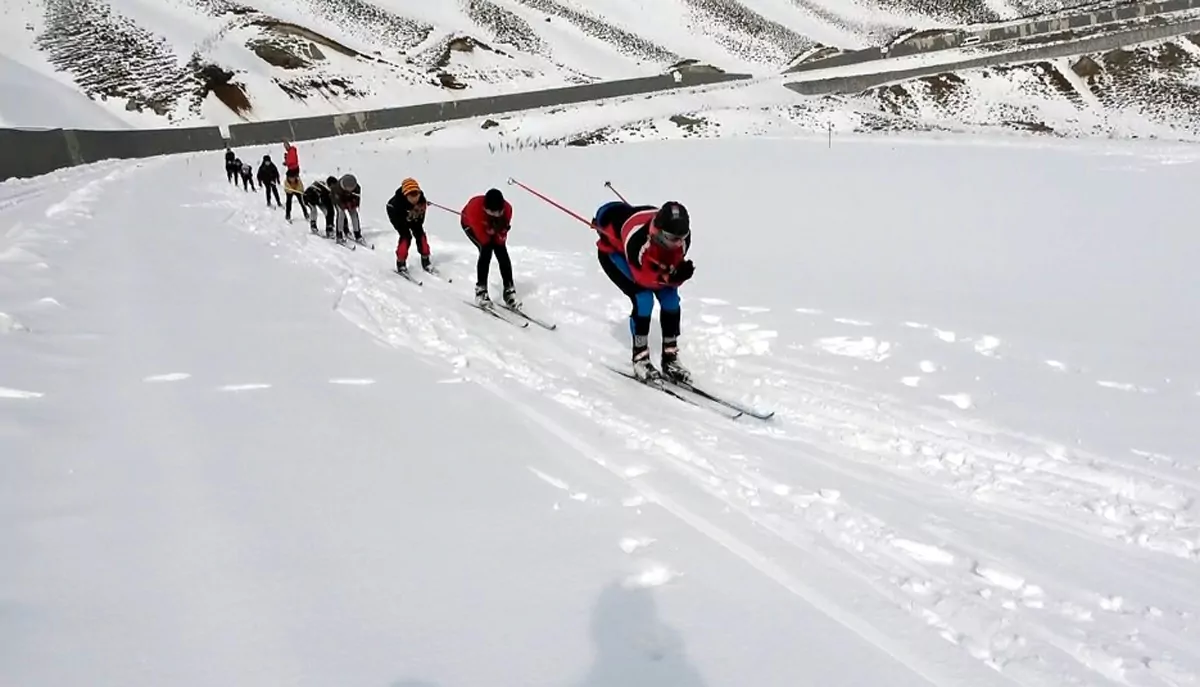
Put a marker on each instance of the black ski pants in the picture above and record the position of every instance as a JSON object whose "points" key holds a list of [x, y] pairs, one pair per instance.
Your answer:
{"points": [[287, 208], [486, 251], [272, 189]]}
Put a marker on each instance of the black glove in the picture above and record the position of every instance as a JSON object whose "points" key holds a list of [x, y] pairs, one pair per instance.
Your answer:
{"points": [[682, 272]]}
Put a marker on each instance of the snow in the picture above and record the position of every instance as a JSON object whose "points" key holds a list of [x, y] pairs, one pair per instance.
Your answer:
{"points": [[235, 452], [35, 101]]}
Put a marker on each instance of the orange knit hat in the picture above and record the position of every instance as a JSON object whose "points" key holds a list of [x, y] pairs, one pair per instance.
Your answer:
{"points": [[409, 185]]}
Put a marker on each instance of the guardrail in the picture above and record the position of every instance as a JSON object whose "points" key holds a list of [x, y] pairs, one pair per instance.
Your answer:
{"points": [[958, 38], [29, 153]]}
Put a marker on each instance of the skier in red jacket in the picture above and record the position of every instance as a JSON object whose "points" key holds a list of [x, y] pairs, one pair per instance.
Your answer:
{"points": [[643, 251], [486, 219], [291, 160]]}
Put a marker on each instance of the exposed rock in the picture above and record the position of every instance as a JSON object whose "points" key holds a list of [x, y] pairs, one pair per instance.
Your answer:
{"points": [[277, 54], [447, 80]]}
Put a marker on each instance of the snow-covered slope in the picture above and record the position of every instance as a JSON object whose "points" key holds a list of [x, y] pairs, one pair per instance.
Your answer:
{"points": [[235, 453], [148, 63]]}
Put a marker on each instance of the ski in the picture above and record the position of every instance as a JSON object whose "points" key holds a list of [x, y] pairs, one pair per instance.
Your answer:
{"points": [[720, 400], [363, 242], [438, 274], [671, 389], [497, 315], [409, 277], [346, 244], [539, 322]]}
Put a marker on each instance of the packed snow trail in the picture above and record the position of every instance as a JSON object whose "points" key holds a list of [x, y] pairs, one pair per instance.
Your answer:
{"points": [[887, 526], [223, 481]]}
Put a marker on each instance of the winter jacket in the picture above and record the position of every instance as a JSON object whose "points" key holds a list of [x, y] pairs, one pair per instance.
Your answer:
{"points": [[268, 173], [291, 157], [349, 200], [403, 214], [293, 185]]}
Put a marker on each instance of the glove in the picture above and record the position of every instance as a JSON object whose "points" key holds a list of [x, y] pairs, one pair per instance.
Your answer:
{"points": [[682, 272]]}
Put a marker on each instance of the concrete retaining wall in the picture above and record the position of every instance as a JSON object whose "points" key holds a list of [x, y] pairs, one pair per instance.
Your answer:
{"points": [[861, 82], [28, 153]]}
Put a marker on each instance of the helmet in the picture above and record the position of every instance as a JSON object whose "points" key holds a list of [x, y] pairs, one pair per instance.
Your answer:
{"points": [[493, 200], [672, 220], [331, 181], [349, 182]]}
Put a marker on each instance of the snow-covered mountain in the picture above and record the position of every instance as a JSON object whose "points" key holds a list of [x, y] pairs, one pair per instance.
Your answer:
{"points": [[177, 62]]}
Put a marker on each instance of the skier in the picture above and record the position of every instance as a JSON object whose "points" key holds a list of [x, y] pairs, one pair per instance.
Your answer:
{"points": [[487, 219], [347, 196], [268, 176], [406, 212], [642, 249], [247, 178], [294, 188], [232, 166], [316, 196], [291, 159]]}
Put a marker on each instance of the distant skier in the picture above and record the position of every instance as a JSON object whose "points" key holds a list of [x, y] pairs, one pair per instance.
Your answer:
{"points": [[406, 211], [643, 251], [317, 195], [247, 173], [268, 176], [291, 159], [487, 219], [347, 196], [293, 188], [232, 166]]}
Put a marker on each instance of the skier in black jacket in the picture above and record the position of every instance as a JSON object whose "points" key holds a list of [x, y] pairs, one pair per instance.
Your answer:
{"points": [[232, 166], [317, 196], [268, 176], [406, 212]]}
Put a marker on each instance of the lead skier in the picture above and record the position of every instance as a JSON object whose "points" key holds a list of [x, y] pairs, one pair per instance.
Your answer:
{"points": [[643, 251]]}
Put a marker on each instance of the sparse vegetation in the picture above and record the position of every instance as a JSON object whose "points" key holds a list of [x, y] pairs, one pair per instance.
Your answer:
{"points": [[110, 56], [507, 27]]}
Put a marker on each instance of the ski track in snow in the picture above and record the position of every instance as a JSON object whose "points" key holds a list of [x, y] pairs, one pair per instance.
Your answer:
{"points": [[1010, 614], [1001, 607]]}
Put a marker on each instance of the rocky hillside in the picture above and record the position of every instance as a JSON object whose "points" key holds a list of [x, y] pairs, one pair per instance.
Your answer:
{"points": [[1147, 90], [182, 62]]}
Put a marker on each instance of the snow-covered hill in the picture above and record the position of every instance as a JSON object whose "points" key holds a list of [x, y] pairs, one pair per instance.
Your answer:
{"points": [[152, 63], [234, 453]]}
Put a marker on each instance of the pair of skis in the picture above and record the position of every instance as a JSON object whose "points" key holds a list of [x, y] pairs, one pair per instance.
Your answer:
{"points": [[700, 397], [514, 316], [517, 317], [352, 244]]}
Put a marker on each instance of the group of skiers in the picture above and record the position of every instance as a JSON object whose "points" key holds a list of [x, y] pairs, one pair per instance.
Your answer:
{"points": [[338, 199], [642, 249]]}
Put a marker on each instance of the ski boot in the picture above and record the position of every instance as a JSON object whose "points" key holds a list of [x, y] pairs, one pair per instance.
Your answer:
{"points": [[672, 369], [426, 263], [643, 369], [402, 267], [482, 299], [510, 298]]}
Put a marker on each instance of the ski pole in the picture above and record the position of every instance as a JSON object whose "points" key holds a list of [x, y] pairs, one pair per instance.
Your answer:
{"points": [[443, 207], [609, 186], [555, 204]]}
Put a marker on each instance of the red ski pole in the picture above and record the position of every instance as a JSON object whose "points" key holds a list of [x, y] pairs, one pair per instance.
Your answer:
{"points": [[551, 202], [609, 186]]}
